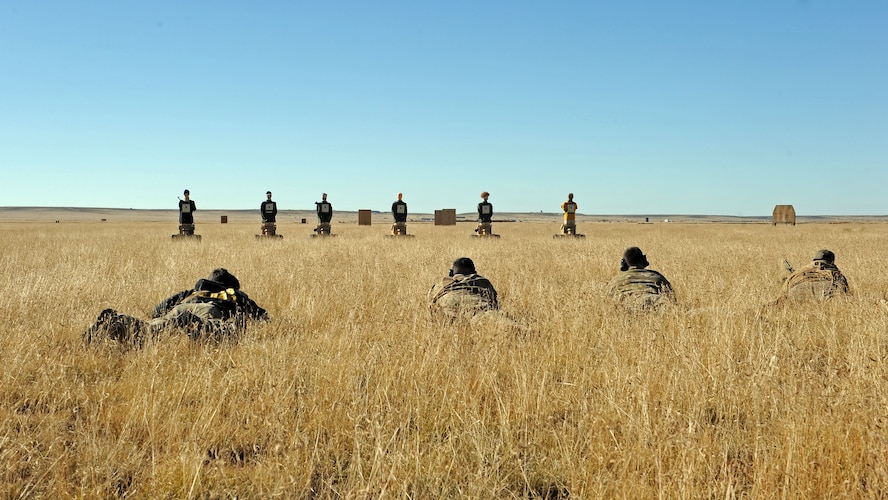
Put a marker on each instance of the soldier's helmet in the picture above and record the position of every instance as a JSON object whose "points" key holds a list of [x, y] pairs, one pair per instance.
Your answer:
{"points": [[633, 257], [463, 265], [825, 255], [221, 275]]}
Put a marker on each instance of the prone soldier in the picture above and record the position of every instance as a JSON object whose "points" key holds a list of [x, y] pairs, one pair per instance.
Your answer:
{"points": [[462, 294], [637, 287], [819, 280], [464, 297], [215, 309]]}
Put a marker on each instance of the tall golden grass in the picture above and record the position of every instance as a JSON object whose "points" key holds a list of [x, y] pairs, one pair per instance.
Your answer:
{"points": [[351, 392]]}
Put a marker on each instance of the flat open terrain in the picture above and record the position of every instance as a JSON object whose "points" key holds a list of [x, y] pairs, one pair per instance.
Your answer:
{"points": [[351, 392], [67, 215]]}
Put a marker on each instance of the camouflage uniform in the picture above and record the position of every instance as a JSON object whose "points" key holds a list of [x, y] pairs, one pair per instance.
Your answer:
{"points": [[641, 288], [117, 327], [462, 296], [210, 311], [818, 280]]}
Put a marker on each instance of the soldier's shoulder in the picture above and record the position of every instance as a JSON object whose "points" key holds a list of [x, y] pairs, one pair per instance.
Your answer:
{"points": [[477, 278], [659, 275], [443, 282], [620, 278], [621, 275]]}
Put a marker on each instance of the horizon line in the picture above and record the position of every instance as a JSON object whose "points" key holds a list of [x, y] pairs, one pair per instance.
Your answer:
{"points": [[662, 214]]}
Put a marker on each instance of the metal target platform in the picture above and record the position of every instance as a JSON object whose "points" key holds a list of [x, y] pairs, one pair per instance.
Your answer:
{"points": [[186, 232], [269, 231], [484, 230], [569, 231], [323, 230], [399, 230]]}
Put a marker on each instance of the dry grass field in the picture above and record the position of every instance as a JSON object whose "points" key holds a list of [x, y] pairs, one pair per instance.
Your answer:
{"points": [[351, 392]]}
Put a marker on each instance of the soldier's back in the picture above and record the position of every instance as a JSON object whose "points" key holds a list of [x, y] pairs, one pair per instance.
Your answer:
{"points": [[642, 288], [462, 296], [817, 281]]}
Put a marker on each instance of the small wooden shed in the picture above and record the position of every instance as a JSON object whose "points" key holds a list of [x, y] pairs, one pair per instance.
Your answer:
{"points": [[784, 214], [364, 217], [445, 217]]}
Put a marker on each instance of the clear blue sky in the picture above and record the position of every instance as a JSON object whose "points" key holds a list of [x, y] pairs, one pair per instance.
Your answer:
{"points": [[638, 107]]}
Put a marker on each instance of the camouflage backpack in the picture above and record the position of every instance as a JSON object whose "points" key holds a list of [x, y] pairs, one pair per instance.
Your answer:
{"points": [[462, 296], [820, 280], [641, 288]]}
